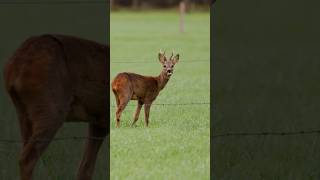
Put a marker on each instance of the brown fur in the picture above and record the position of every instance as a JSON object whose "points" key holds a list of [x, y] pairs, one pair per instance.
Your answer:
{"points": [[145, 89], [52, 79]]}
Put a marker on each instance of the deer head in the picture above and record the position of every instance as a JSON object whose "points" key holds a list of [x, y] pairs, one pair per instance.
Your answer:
{"points": [[168, 64]]}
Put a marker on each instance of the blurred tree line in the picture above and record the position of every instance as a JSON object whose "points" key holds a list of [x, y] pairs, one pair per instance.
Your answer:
{"points": [[137, 4]]}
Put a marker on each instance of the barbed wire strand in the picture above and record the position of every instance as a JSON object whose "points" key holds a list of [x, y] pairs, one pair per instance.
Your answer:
{"points": [[12, 141], [172, 104], [290, 133], [241, 134]]}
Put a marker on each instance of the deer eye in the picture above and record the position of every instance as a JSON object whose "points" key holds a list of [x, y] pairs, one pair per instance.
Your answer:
{"points": [[171, 66], [164, 66]]}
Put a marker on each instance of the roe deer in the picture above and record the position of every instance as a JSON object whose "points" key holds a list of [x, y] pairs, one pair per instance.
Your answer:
{"points": [[52, 79], [145, 89]]}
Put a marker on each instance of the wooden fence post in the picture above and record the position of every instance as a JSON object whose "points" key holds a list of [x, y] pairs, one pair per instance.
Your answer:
{"points": [[182, 10]]}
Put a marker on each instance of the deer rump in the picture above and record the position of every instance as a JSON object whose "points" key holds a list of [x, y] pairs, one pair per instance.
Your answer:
{"points": [[56, 78], [64, 73]]}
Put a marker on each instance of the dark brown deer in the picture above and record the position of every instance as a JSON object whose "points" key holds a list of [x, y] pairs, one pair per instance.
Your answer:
{"points": [[52, 79], [145, 89]]}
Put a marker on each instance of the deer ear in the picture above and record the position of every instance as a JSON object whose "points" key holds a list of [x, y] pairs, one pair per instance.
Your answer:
{"points": [[175, 59], [161, 57]]}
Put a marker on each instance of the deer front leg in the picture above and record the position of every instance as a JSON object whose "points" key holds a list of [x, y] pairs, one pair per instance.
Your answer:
{"points": [[146, 113], [136, 115]]}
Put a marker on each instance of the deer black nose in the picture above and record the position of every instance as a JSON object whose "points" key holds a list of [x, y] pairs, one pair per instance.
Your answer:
{"points": [[169, 70]]}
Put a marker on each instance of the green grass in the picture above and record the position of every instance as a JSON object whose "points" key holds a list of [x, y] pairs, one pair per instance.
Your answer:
{"points": [[176, 145]]}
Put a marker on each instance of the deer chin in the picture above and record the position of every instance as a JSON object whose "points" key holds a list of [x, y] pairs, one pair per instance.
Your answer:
{"points": [[169, 74]]}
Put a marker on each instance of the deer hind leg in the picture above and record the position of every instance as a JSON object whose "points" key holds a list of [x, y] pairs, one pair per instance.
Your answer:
{"points": [[96, 137], [118, 110], [45, 124], [136, 115], [123, 101], [117, 97], [25, 126]]}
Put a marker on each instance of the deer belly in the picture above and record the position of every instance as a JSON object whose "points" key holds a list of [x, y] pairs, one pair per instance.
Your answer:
{"points": [[134, 97], [78, 112]]}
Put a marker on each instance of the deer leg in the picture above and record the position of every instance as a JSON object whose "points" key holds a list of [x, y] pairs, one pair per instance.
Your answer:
{"points": [[25, 126], [26, 130], [117, 101], [136, 115], [122, 105], [24, 122], [117, 98], [146, 113], [33, 149], [45, 121], [96, 137]]}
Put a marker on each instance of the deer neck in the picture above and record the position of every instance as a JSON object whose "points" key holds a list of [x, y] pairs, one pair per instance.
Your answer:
{"points": [[162, 80]]}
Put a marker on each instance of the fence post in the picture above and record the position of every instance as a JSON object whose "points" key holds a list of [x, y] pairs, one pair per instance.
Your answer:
{"points": [[182, 10]]}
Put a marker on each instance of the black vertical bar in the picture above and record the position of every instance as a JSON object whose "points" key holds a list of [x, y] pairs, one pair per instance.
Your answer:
{"points": [[108, 89]]}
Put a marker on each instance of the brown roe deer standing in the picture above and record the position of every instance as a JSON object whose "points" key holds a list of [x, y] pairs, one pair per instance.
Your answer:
{"points": [[145, 89], [52, 79]]}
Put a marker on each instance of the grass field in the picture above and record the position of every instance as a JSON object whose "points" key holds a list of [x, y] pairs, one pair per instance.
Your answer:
{"points": [[176, 145]]}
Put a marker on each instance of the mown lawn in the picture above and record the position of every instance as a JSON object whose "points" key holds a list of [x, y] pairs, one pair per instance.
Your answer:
{"points": [[176, 145]]}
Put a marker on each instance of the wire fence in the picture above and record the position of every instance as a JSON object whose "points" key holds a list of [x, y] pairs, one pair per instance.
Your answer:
{"points": [[153, 61], [172, 104], [77, 138], [215, 136], [243, 134], [13, 141]]}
